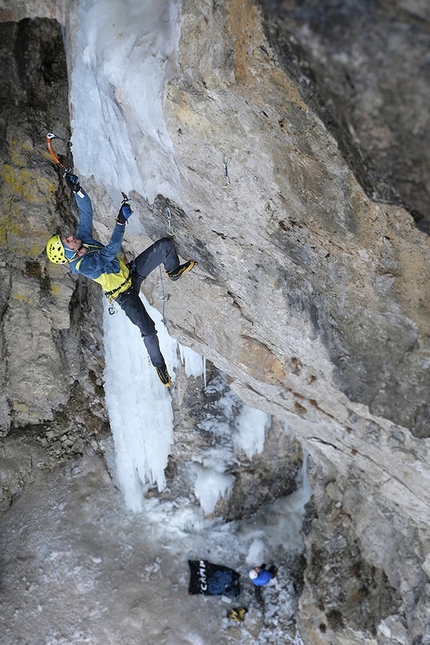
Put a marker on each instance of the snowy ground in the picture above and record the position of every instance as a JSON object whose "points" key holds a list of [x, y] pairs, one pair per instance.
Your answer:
{"points": [[78, 567], [86, 558]]}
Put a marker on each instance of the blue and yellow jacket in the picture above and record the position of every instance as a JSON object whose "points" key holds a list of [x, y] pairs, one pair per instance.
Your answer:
{"points": [[100, 263]]}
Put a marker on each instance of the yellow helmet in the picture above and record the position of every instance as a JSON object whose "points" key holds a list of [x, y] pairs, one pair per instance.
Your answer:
{"points": [[55, 250]]}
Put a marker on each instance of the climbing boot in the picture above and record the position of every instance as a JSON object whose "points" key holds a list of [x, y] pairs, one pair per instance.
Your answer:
{"points": [[163, 375], [182, 268]]}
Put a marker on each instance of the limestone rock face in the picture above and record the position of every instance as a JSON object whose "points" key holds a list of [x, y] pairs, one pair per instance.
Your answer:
{"points": [[360, 558], [364, 68], [46, 345], [311, 296]]}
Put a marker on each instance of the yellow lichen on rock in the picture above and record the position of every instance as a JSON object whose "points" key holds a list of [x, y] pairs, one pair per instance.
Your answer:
{"points": [[260, 362], [21, 297]]}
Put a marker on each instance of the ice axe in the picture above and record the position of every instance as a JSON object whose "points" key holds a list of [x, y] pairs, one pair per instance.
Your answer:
{"points": [[49, 137]]}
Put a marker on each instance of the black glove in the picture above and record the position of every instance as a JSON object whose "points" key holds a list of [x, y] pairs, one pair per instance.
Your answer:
{"points": [[124, 213], [72, 181]]}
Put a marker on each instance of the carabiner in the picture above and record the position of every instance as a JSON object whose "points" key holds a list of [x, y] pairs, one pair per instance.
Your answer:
{"points": [[225, 181]]}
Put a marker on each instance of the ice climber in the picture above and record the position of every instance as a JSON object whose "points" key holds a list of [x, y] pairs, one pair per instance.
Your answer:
{"points": [[121, 282], [261, 577]]}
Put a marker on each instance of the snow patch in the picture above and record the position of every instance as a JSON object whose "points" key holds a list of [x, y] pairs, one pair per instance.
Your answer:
{"points": [[256, 552], [194, 363], [251, 425], [211, 486]]}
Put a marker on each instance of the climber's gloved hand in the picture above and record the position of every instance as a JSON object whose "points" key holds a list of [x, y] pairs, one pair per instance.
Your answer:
{"points": [[124, 213], [72, 181]]}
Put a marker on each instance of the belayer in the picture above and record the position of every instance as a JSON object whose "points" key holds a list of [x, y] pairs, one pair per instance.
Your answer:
{"points": [[120, 282], [261, 577]]}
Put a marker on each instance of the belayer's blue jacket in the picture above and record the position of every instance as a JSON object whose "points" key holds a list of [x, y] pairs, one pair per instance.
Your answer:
{"points": [[263, 578]]}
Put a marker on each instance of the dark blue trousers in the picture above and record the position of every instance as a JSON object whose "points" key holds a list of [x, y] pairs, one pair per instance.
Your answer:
{"points": [[161, 252]]}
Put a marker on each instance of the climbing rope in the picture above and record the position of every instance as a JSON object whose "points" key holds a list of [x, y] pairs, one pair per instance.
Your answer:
{"points": [[170, 231], [272, 489], [164, 297]]}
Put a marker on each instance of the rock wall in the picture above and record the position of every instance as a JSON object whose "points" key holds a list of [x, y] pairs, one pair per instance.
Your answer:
{"points": [[311, 296], [51, 339], [364, 68]]}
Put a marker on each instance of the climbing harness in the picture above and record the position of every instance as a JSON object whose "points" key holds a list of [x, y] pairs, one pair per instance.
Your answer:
{"points": [[110, 294], [121, 288], [225, 180], [49, 137]]}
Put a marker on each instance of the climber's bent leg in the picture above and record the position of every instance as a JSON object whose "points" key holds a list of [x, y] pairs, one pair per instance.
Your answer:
{"points": [[161, 252], [134, 309]]}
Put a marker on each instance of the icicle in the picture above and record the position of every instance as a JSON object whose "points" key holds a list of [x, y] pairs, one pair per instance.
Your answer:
{"points": [[204, 371], [140, 409], [194, 362]]}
